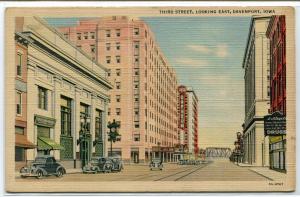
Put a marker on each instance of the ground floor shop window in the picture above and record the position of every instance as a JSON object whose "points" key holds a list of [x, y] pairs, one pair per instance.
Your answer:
{"points": [[277, 155], [19, 154]]}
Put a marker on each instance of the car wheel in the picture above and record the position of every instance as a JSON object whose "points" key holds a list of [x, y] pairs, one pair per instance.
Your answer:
{"points": [[39, 174], [59, 173]]}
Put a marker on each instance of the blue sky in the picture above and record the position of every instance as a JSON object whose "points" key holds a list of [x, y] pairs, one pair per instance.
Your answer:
{"points": [[207, 54]]}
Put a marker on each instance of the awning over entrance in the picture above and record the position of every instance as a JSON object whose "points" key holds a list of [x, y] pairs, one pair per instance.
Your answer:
{"points": [[48, 144], [24, 143]]}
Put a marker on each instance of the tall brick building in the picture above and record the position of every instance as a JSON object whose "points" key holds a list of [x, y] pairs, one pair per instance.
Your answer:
{"points": [[276, 32], [144, 98], [188, 119]]}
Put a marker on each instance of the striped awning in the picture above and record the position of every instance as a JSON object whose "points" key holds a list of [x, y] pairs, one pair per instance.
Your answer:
{"points": [[48, 144]]}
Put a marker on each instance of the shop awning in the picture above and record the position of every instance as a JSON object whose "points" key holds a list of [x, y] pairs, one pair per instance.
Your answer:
{"points": [[48, 144], [24, 143]]}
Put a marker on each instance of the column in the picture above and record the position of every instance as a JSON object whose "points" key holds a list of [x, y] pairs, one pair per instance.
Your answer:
{"points": [[32, 100], [56, 113], [92, 125], [104, 127], [76, 122]]}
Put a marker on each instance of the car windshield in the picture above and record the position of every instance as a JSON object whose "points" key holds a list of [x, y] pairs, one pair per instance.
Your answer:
{"points": [[40, 160], [94, 160]]}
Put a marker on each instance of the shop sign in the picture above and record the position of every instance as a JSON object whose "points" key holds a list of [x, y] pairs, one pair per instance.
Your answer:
{"points": [[275, 124]]}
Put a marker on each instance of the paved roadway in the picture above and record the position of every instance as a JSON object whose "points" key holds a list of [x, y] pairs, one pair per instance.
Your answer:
{"points": [[219, 170]]}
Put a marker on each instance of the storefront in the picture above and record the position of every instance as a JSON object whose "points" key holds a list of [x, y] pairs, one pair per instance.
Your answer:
{"points": [[275, 128], [277, 152]]}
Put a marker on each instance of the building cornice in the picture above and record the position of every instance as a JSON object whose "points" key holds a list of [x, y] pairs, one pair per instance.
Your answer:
{"points": [[51, 50]]}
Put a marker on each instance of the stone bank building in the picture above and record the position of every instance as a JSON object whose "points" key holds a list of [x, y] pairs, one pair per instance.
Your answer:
{"points": [[67, 93]]}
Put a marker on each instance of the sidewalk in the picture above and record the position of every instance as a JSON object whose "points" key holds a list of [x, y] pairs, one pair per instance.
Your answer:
{"points": [[268, 173]]}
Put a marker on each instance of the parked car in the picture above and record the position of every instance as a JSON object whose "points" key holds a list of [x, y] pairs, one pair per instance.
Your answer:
{"points": [[117, 164], [98, 164], [156, 163], [43, 166]]}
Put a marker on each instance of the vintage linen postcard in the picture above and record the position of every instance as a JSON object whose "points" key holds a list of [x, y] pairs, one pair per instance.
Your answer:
{"points": [[160, 99]]}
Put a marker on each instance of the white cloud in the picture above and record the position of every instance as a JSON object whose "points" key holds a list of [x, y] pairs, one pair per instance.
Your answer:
{"points": [[192, 62], [200, 48], [220, 50]]}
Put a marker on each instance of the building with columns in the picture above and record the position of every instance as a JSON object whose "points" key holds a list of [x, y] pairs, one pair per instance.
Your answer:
{"points": [[144, 98], [256, 65], [188, 119], [67, 93]]}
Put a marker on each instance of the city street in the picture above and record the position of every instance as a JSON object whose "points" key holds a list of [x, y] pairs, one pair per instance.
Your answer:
{"points": [[218, 170]]}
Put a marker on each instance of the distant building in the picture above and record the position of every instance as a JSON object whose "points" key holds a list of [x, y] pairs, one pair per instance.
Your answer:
{"points": [[65, 89], [256, 65], [277, 34], [144, 98], [188, 119]]}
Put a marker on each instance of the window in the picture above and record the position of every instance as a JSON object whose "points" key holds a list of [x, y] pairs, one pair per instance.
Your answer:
{"points": [[108, 59], [136, 111], [136, 31], [136, 97], [136, 72], [118, 111], [136, 45], [118, 32], [108, 73], [84, 115], [78, 36], [108, 111], [66, 35], [43, 98], [92, 34], [78, 46], [98, 124], [107, 46], [136, 124], [118, 85], [136, 59], [86, 35], [65, 110], [118, 46], [118, 59], [19, 64], [19, 130], [136, 137], [118, 72], [19, 154], [118, 98], [136, 85], [19, 103], [108, 33], [93, 48], [119, 123]]}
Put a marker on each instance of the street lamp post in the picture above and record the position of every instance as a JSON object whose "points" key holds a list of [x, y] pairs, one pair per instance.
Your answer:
{"points": [[83, 140], [113, 134]]}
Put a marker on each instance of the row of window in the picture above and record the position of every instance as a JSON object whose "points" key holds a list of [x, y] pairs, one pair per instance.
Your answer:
{"points": [[84, 35]]}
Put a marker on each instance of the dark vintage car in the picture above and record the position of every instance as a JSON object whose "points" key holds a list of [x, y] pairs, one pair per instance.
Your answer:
{"points": [[156, 163], [98, 164], [117, 164], [43, 166]]}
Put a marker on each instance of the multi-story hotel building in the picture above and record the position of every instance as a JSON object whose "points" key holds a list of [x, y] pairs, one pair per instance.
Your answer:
{"points": [[144, 98], [67, 94], [188, 119], [277, 34], [21, 141], [257, 93]]}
